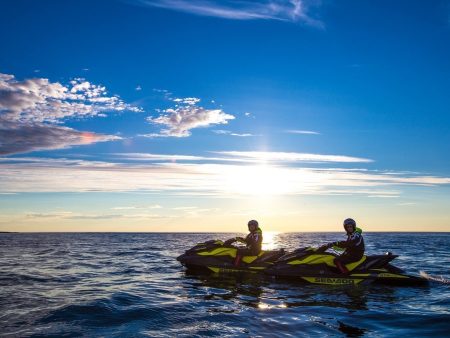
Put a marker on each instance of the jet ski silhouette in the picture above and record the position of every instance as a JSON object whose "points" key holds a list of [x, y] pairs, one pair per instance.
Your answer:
{"points": [[315, 265], [218, 257]]}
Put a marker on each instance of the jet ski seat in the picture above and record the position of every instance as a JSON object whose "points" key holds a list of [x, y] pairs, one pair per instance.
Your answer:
{"points": [[354, 265]]}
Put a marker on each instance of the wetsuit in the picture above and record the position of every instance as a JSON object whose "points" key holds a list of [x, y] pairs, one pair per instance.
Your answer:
{"points": [[253, 242], [354, 250]]}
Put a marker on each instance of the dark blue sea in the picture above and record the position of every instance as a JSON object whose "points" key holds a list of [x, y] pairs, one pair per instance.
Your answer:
{"points": [[130, 285]]}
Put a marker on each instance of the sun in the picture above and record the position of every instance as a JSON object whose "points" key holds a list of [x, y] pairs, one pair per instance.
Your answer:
{"points": [[257, 180]]}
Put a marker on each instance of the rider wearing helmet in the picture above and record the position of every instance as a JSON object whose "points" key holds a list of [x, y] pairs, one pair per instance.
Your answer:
{"points": [[354, 246], [253, 242]]}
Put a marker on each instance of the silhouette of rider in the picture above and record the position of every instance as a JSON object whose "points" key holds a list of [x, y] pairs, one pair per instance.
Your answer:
{"points": [[253, 242], [354, 246]]}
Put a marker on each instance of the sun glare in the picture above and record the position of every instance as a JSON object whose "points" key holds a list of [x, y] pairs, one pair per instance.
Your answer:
{"points": [[260, 181], [270, 239]]}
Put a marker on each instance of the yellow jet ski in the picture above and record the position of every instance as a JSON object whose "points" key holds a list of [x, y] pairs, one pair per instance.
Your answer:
{"points": [[219, 257], [317, 267]]}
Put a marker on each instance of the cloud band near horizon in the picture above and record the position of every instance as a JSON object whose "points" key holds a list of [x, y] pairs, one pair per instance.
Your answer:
{"points": [[205, 179]]}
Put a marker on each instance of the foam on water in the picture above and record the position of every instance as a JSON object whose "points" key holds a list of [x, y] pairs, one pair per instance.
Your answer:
{"points": [[439, 279]]}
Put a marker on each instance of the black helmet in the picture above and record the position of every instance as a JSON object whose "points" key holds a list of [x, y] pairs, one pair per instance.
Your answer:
{"points": [[350, 221], [253, 223]]}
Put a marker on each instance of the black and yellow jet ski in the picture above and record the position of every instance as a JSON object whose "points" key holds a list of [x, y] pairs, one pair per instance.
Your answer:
{"points": [[218, 257], [316, 266]]}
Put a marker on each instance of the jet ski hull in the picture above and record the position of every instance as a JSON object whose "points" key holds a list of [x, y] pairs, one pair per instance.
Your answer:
{"points": [[309, 266], [329, 278]]}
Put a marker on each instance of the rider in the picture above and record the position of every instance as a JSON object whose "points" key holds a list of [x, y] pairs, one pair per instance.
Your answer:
{"points": [[354, 246], [252, 241]]}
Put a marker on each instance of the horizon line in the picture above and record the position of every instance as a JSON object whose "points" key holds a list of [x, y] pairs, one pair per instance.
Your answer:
{"points": [[200, 232]]}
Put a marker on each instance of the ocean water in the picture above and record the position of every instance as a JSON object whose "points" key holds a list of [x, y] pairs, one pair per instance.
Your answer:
{"points": [[130, 284]]}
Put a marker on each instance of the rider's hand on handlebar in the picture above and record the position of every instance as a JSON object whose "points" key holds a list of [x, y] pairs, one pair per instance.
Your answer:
{"points": [[325, 247]]}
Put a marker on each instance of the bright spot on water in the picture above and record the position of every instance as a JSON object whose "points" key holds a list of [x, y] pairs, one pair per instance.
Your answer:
{"points": [[270, 239]]}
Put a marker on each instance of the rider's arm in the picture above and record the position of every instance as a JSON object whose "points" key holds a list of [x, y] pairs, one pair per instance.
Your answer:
{"points": [[240, 239], [352, 240]]}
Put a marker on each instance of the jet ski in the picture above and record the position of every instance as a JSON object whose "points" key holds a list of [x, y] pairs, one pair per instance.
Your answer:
{"points": [[218, 257], [316, 266]]}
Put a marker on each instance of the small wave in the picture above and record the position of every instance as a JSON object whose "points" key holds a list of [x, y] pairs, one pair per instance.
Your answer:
{"points": [[13, 278], [45, 252], [439, 279], [103, 312]]}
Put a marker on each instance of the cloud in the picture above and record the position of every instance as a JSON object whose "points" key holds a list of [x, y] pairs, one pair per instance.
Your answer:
{"points": [[32, 112], [38, 100], [292, 157], [187, 100], [141, 207], [164, 92], [279, 158], [158, 157], [22, 137], [97, 217], [72, 216], [227, 132], [195, 211], [283, 10], [186, 116], [56, 214], [407, 203], [305, 132], [202, 179]]}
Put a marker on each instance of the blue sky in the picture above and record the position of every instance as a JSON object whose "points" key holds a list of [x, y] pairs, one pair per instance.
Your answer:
{"points": [[172, 115]]}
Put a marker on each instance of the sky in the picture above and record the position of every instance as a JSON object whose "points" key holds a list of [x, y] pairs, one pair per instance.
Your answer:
{"points": [[176, 115]]}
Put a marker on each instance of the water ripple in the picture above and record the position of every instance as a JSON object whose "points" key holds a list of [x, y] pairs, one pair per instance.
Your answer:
{"points": [[131, 285]]}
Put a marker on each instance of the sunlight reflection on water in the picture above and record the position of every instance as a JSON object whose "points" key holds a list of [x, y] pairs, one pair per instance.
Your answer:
{"points": [[270, 240]]}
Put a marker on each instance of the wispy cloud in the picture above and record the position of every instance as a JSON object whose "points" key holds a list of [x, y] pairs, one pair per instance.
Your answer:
{"points": [[304, 132], [279, 158], [32, 112], [68, 215], [185, 116], [158, 157], [283, 10], [227, 132], [55, 214], [96, 217], [207, 179], [138, 207], [187, 100], [293, 157]]}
